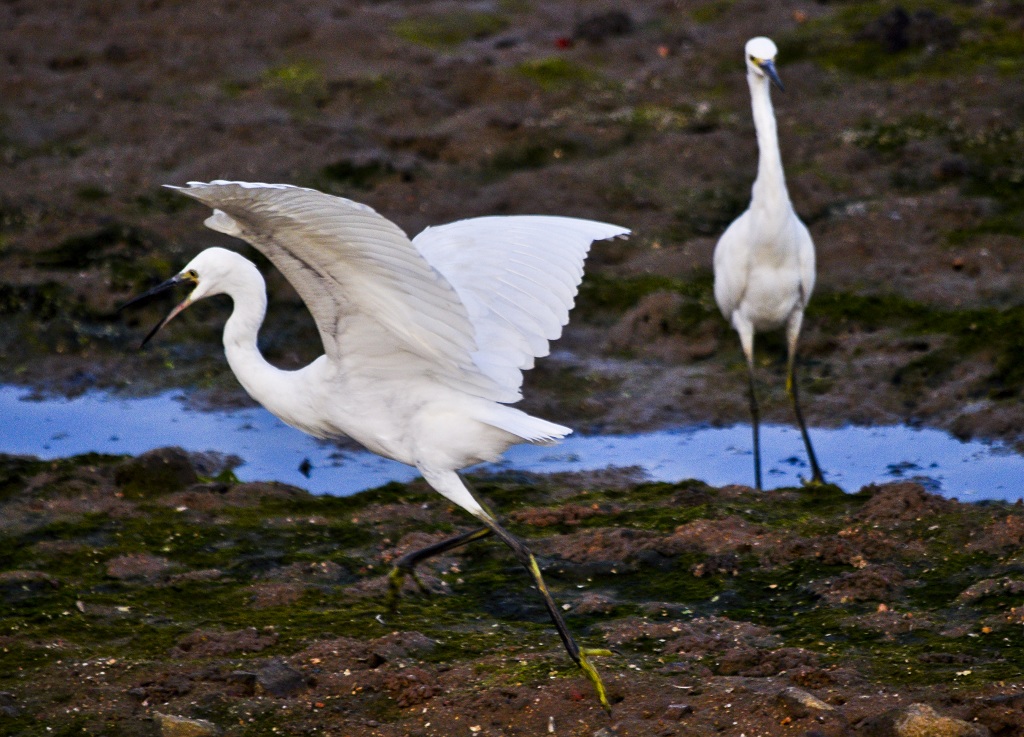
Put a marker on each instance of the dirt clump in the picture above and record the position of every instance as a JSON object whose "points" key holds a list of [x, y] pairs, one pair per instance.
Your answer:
{"points": [[715, 604]]}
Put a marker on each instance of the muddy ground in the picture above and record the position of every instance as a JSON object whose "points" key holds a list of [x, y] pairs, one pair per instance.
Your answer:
{"points": [[141, 592], [900, 131], [143, 597]]}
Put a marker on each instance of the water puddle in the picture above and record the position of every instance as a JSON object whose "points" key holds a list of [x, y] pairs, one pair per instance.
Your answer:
{"points": [[851, 456]]}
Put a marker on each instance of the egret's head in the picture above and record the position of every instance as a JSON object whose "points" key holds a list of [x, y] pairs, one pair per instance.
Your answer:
{"points": [[209, 273], [760, 54]]}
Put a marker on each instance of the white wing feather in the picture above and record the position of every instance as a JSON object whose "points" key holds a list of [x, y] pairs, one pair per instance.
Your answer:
{"points": [[358, 274], [517, 277], [472, 303]]}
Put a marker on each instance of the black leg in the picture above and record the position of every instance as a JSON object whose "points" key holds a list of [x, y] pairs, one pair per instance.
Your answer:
{"points": [[406, 565], [755, 421], [579, 655], [791, 388]]}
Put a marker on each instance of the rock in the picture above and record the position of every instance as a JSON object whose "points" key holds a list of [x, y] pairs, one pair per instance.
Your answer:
{"points": [[173, 726], [596, 28], [211, 643], [402, 645], [901, 501], [277, 678], [921, 720], [18, 585], [137, 567], [243, 681], [918, 720], [898, 30], [157, 472], [677, 711], [800, 703], [8, 706]]}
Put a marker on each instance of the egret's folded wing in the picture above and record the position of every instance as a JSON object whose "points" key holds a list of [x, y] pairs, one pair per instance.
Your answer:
{"points": [[732, 265], [518, 277], [351, 265]]}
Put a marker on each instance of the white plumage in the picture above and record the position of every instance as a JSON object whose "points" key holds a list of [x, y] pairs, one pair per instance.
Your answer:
{"points": [[425, 341], [764, 262]]}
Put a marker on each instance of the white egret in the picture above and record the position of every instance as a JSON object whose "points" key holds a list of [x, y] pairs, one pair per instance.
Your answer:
{"points": [[425, 340], [764, 262]]}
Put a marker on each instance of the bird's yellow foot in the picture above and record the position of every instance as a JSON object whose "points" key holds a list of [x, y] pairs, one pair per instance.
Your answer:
{"points": [[593, 675], [396, 578]]}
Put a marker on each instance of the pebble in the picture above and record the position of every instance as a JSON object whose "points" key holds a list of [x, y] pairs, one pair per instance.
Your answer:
{"points": [[173, 726], [678, 711], [280, 679], [921, 720], [800, 703]]}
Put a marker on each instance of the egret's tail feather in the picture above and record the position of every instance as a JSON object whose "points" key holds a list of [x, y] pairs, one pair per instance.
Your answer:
{"points": [[529, 428]]}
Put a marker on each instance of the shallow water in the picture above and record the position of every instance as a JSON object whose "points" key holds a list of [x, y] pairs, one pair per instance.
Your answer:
{"points": [[850, 456]]}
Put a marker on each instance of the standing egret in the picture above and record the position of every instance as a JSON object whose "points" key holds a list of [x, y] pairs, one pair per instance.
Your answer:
{"points": [[425, 340], [764, 262]]}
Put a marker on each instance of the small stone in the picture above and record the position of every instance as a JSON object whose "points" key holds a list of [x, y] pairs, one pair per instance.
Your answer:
{"points": [[800, 703], [678, 711], [280, 679], [138, 693], [138, 567], [243, 682], [921, 720], [157, 472], [8, 705], [173, 726], [601, 26]]}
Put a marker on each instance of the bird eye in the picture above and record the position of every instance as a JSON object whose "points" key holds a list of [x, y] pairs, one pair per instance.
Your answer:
{"points": [[191, 274]]}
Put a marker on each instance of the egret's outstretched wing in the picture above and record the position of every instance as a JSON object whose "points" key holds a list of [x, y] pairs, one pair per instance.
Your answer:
{"points": [[518, 277], [360, 277]]}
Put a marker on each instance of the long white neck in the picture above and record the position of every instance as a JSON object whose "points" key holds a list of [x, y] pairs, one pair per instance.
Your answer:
{"points": [[770, 186], [261, 380]]}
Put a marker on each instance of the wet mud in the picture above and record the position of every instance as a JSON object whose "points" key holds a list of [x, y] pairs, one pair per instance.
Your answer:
{"points": [[143, 597], [158, 595], [900, 131]]}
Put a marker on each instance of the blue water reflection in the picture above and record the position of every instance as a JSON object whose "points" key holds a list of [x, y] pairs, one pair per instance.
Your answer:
{"points": [[851, 456]]}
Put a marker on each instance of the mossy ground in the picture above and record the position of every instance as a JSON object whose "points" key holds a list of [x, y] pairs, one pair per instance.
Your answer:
{"points": [[120, 603], [902, 150], [898, 130]]}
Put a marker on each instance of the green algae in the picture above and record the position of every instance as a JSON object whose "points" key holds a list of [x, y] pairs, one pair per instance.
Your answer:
{"points": [[451, 29], [489, 616], [301, 86], [603, 296], [712, 11], [554, 73], [971, 38], [991, 165], [990, 332]]}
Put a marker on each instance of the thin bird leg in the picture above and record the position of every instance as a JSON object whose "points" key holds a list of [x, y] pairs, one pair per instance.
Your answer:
{"points": [[791, 388], [746, 333], [755, 417], [406, 565], [578, 654]]}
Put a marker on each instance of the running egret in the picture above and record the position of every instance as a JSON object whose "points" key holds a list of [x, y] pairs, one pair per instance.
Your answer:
{"points": [[425, 340], [764, 262]]}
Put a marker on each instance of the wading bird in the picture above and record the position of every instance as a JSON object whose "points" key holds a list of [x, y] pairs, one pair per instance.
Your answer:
{"points": [[764, 262], [425, 340]]}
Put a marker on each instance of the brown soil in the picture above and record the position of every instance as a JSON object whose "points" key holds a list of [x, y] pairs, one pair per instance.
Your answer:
{"points": [[727, 611], [431, 112]]}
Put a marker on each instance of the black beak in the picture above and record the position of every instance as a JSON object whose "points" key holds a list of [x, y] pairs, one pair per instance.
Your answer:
{"points": [[163, 287], [768, 67]]}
